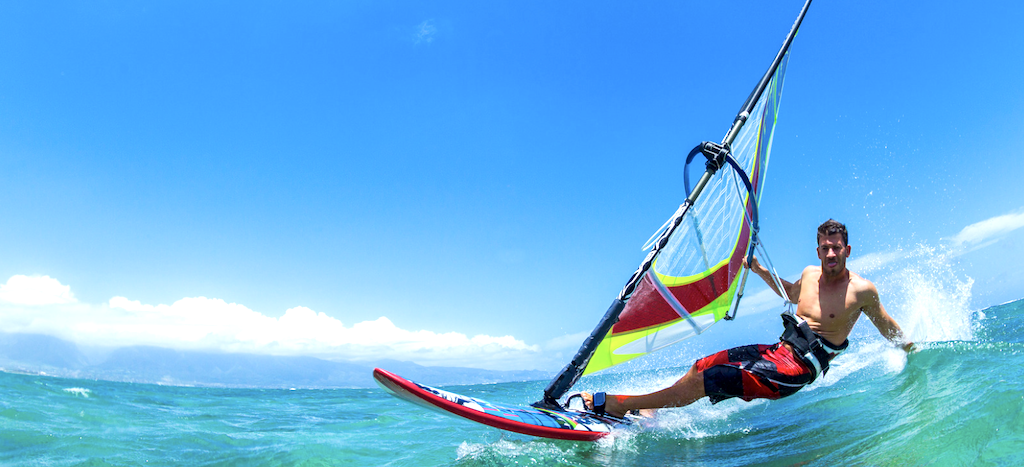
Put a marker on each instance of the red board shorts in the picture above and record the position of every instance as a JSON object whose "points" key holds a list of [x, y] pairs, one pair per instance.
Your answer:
{"points": [[753, 372]]}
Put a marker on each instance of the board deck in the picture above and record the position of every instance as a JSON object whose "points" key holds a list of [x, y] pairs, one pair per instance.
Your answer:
{"points": [[546, 423]]}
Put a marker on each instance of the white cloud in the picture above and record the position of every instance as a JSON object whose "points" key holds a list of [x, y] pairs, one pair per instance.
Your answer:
{"points": [[982, 233], [425, 32], [567, 341], [35, 290], [43, 305], [874, 261], [763, 300]]}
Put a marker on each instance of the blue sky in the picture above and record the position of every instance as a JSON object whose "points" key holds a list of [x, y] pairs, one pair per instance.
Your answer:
{"points": [[279, 177]]}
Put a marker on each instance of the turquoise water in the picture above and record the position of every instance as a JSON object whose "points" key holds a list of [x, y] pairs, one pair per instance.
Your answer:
{"points": [[953, 402]]}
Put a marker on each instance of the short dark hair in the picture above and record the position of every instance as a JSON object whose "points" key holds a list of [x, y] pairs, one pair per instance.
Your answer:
{"points": [[832, 227]]}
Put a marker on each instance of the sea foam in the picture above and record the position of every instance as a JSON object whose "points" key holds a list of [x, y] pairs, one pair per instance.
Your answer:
{"points": [[78, 391]]}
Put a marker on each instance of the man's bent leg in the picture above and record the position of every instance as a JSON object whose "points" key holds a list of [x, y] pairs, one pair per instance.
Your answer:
{"points": [[689, 389]]}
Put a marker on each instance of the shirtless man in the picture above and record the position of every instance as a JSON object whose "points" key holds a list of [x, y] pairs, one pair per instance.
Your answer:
{"points": [[830, 298]]}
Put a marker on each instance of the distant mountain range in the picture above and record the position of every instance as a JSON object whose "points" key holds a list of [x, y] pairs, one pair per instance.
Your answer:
{"points": [[40, 354]]}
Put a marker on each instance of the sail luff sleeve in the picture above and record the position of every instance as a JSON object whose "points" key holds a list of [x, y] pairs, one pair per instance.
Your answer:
{"points": [[748, 105]]}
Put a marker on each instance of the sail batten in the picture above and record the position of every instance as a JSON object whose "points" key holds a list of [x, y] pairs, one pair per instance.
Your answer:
{"points": [[672, 302]]}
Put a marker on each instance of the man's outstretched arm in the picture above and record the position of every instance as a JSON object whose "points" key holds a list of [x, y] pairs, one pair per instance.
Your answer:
{"points": [[792, 288], [886, 325]]}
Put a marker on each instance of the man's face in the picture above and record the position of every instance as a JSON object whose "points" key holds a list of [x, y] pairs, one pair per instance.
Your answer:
{"points": [[832, 253]]}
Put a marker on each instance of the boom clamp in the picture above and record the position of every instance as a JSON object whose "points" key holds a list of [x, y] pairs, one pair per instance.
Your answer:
{"points": [[715, 153]]}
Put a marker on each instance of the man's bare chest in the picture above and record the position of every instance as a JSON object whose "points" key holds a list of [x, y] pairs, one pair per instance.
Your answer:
{"points": [[825, 304]]}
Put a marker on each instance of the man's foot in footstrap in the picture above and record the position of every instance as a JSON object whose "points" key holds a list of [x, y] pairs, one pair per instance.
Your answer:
{"points": [[598, 403]]}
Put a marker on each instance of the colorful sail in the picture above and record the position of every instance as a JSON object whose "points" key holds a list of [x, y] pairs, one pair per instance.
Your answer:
{"points": [[691, 277], [693, 280]]}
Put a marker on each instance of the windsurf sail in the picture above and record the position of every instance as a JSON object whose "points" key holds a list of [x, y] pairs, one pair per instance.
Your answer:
{"points": [[693, 276]]}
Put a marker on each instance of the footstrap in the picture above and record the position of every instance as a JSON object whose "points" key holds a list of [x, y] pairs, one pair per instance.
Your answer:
{"points": [[599, 401]]}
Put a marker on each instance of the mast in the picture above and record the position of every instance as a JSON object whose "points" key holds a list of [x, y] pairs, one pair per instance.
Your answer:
{"points": [[716, 154]]}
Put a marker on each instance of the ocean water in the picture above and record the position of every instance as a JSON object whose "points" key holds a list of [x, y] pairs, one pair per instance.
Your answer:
{"points": [[952, 402]]}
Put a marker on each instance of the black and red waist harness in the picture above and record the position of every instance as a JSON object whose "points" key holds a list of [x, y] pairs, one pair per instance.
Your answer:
{"points": [[813, 350]]}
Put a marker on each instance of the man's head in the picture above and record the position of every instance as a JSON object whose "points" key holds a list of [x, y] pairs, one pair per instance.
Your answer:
{"points": [[833, 247]]}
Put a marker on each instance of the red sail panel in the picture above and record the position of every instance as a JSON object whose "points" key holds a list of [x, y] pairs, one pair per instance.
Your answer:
{"points": [[645, 308]]}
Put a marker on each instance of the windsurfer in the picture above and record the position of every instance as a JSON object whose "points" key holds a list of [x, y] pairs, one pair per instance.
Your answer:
{"points": [[830, 298]]}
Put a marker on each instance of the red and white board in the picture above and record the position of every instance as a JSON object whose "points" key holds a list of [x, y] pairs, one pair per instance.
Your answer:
{"points": [[546, 423]]}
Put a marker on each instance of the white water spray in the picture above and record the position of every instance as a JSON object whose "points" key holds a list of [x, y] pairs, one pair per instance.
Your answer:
{"points": [[928, 297]]}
